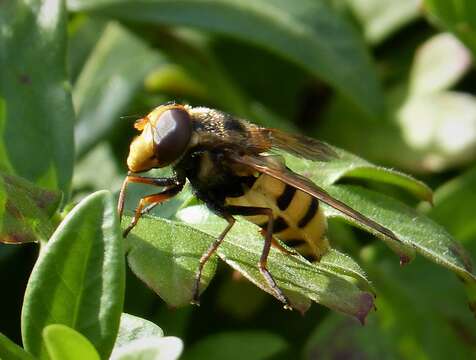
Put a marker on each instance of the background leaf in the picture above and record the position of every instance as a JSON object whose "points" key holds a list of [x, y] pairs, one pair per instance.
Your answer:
{"points": [[26, 210], [274, 25], [458, 16], [108, 81], [78, 280], [44, 128], [252, 345], [382, 18]]}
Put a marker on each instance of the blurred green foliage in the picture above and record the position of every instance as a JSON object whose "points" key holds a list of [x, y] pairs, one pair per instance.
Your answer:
{"points": [[389, 81]]}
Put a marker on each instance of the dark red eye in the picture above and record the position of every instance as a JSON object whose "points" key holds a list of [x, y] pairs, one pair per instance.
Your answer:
{"points": [[172, 135]]}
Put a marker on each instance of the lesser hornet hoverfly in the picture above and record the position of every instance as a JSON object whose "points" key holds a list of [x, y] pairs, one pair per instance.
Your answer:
{"points": [[228, 164]]}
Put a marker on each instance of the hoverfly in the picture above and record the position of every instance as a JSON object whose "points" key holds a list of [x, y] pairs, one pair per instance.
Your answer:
{"points": [[228, 164]]}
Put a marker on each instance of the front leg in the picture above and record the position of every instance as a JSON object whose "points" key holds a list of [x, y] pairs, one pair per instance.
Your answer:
{"points": [[133, 178], [148, 202], [173, 186]]}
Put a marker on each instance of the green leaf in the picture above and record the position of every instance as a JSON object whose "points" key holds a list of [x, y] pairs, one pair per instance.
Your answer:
{"points": [[439, 64], [458, 16], [250, 345], [174, 269], [37, 109], [153, 348], [107, 83], [298, 278], [11, 351], [25, 210], [381, 18], [78, 279], [134, 328], [64, 343], [165, 256], [191, 51], [83, 34], [336, 335], [308, 33], [415, 231], [421, 314]]}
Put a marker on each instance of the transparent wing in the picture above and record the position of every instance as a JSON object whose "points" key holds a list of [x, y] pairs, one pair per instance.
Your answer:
{"points": [[301, 146]]}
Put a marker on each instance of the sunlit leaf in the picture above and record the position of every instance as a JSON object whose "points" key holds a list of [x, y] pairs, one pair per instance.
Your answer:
{"points": [[78, 280], [241, 249], [416, 232], [347, 165], [152, 348], [65, 343], [134, 328]]}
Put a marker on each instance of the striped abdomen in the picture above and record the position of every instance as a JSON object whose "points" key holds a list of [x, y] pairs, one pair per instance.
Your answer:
{"points": [[298, 219]]}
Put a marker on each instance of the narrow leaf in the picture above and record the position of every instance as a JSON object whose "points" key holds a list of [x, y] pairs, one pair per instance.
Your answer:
{"points": [[78, 280], [415, 231], [64, 343], [11, 351], [328, 46], [348, 165], [37, 108], [108, 82]]}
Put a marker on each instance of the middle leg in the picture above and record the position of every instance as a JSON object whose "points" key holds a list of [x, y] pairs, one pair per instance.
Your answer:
{"points": [[268, 241]]}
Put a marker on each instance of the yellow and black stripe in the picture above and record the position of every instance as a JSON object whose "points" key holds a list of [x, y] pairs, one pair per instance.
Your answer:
{"points": [[298, 219]]}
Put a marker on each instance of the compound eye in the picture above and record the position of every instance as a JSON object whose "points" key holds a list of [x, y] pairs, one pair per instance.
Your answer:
{"points": [[172, 134]]}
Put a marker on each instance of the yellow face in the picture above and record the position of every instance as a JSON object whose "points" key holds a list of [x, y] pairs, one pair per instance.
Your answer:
{"points": [[166, 132], [141, 152]]}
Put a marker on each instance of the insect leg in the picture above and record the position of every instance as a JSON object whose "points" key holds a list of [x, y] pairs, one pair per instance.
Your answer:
{"points": [[131, 178], [203, 260], [268, 240], [148, 202]]}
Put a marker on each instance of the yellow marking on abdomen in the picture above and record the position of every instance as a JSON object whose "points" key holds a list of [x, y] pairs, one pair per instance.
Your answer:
{"points": [[300, 221]]}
